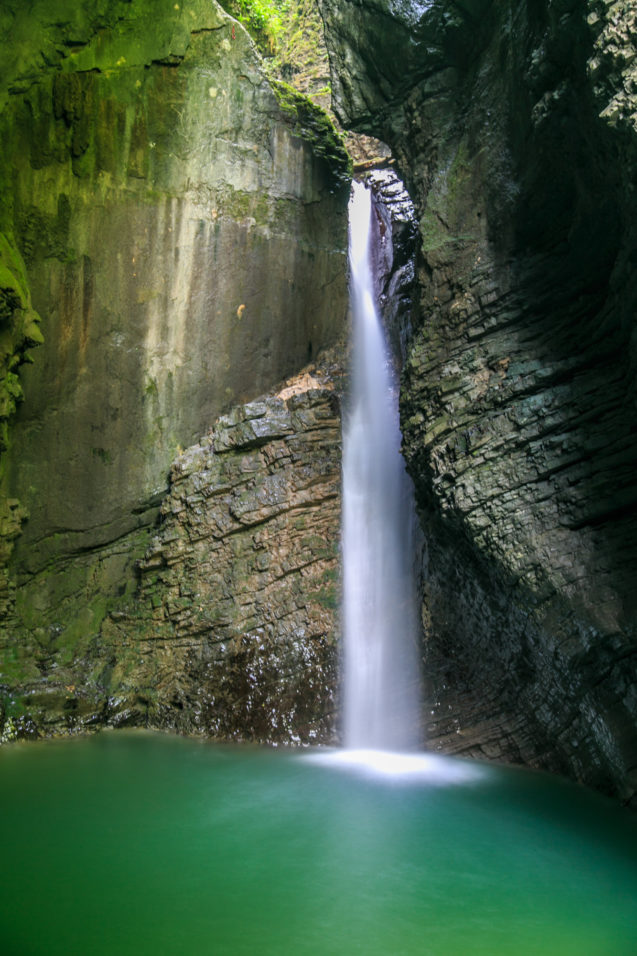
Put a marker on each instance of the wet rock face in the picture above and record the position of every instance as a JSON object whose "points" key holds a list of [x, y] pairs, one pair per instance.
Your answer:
{"points": [[394, 246], [168, 216], [233, 631], [513, 129], [380, 49], [183, 232]]}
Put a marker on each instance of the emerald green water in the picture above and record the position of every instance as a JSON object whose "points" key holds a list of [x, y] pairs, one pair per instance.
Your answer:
{"points": [[135, 843]]}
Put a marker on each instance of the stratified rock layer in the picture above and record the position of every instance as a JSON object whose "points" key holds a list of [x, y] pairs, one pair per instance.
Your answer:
{"points": [[234, 630], [513, 127], [183, 227], [231, 629]]}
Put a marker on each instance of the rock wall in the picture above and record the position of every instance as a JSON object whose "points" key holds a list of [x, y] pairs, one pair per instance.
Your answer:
{"points": [[513, 127], [393, 257], [181, 225], [234, 629]]}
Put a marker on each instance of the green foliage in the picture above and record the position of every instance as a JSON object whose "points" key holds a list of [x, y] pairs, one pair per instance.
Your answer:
{"points": [[313, 124], [13, 280], [264, 19], [266, 15]]}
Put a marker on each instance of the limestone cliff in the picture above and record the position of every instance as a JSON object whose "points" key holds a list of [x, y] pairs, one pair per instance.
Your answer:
{"points": [[179, 225], [513, 124]]}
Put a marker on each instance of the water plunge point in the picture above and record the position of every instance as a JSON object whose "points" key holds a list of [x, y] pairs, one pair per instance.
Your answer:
{"points": [[381, 671]]}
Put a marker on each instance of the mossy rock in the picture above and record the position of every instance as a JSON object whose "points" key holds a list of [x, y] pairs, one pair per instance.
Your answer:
{"points": [[313, 124], [19, 330]]}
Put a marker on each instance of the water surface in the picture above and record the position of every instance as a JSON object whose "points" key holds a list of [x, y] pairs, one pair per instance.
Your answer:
{"points": [[139, 843]]}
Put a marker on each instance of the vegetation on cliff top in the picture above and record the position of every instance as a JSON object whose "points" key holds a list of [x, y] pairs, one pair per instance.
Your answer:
{"points": [[264, 19], [272, 23], [313, 124], [290, 34]]}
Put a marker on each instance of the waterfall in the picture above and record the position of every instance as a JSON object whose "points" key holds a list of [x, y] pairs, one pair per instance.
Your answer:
{"points": [[381, 689]]}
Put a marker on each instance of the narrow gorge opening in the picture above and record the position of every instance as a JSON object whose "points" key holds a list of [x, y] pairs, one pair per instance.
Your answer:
{"points": [[154, 843], [178, 446], [381, 686]]}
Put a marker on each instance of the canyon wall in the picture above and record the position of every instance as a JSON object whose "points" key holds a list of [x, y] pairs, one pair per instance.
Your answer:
{"points": [[174, 243], [513, 126], [173, 246], [233, 631]]}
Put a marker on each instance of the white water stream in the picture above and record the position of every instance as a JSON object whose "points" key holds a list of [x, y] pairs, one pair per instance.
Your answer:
{"points": [[381, 672]]}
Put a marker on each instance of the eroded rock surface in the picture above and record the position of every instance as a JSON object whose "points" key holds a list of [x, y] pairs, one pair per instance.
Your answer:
{"points": [[183, 230], [512, 124], [234, 631], [232, 628]]}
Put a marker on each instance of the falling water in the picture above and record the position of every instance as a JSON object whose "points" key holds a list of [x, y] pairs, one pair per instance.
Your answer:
{"points": [[381, 686]]}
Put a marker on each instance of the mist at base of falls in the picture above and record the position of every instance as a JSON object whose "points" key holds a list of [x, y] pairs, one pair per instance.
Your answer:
{"points": [[381, 682]]}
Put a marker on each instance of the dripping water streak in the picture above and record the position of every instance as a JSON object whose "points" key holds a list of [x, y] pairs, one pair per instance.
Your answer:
{"points": [[381, 687]]}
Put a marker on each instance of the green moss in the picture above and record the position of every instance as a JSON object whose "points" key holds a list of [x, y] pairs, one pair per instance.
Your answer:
{"points": [[331, 575], [14, 705], [241, 205], [62, 611], [45, 235], [151, 389], [13, 279], [313, 124], [301, 56], [17, 667], [328, 594], [328, 598], [103, 454], [317, 545], [10, 394], [449, 204], [265, 20], [19, 330]]}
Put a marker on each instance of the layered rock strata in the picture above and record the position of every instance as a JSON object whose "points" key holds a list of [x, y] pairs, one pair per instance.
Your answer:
{"points": [[232, 630], [513, 128], [182, 225]]}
